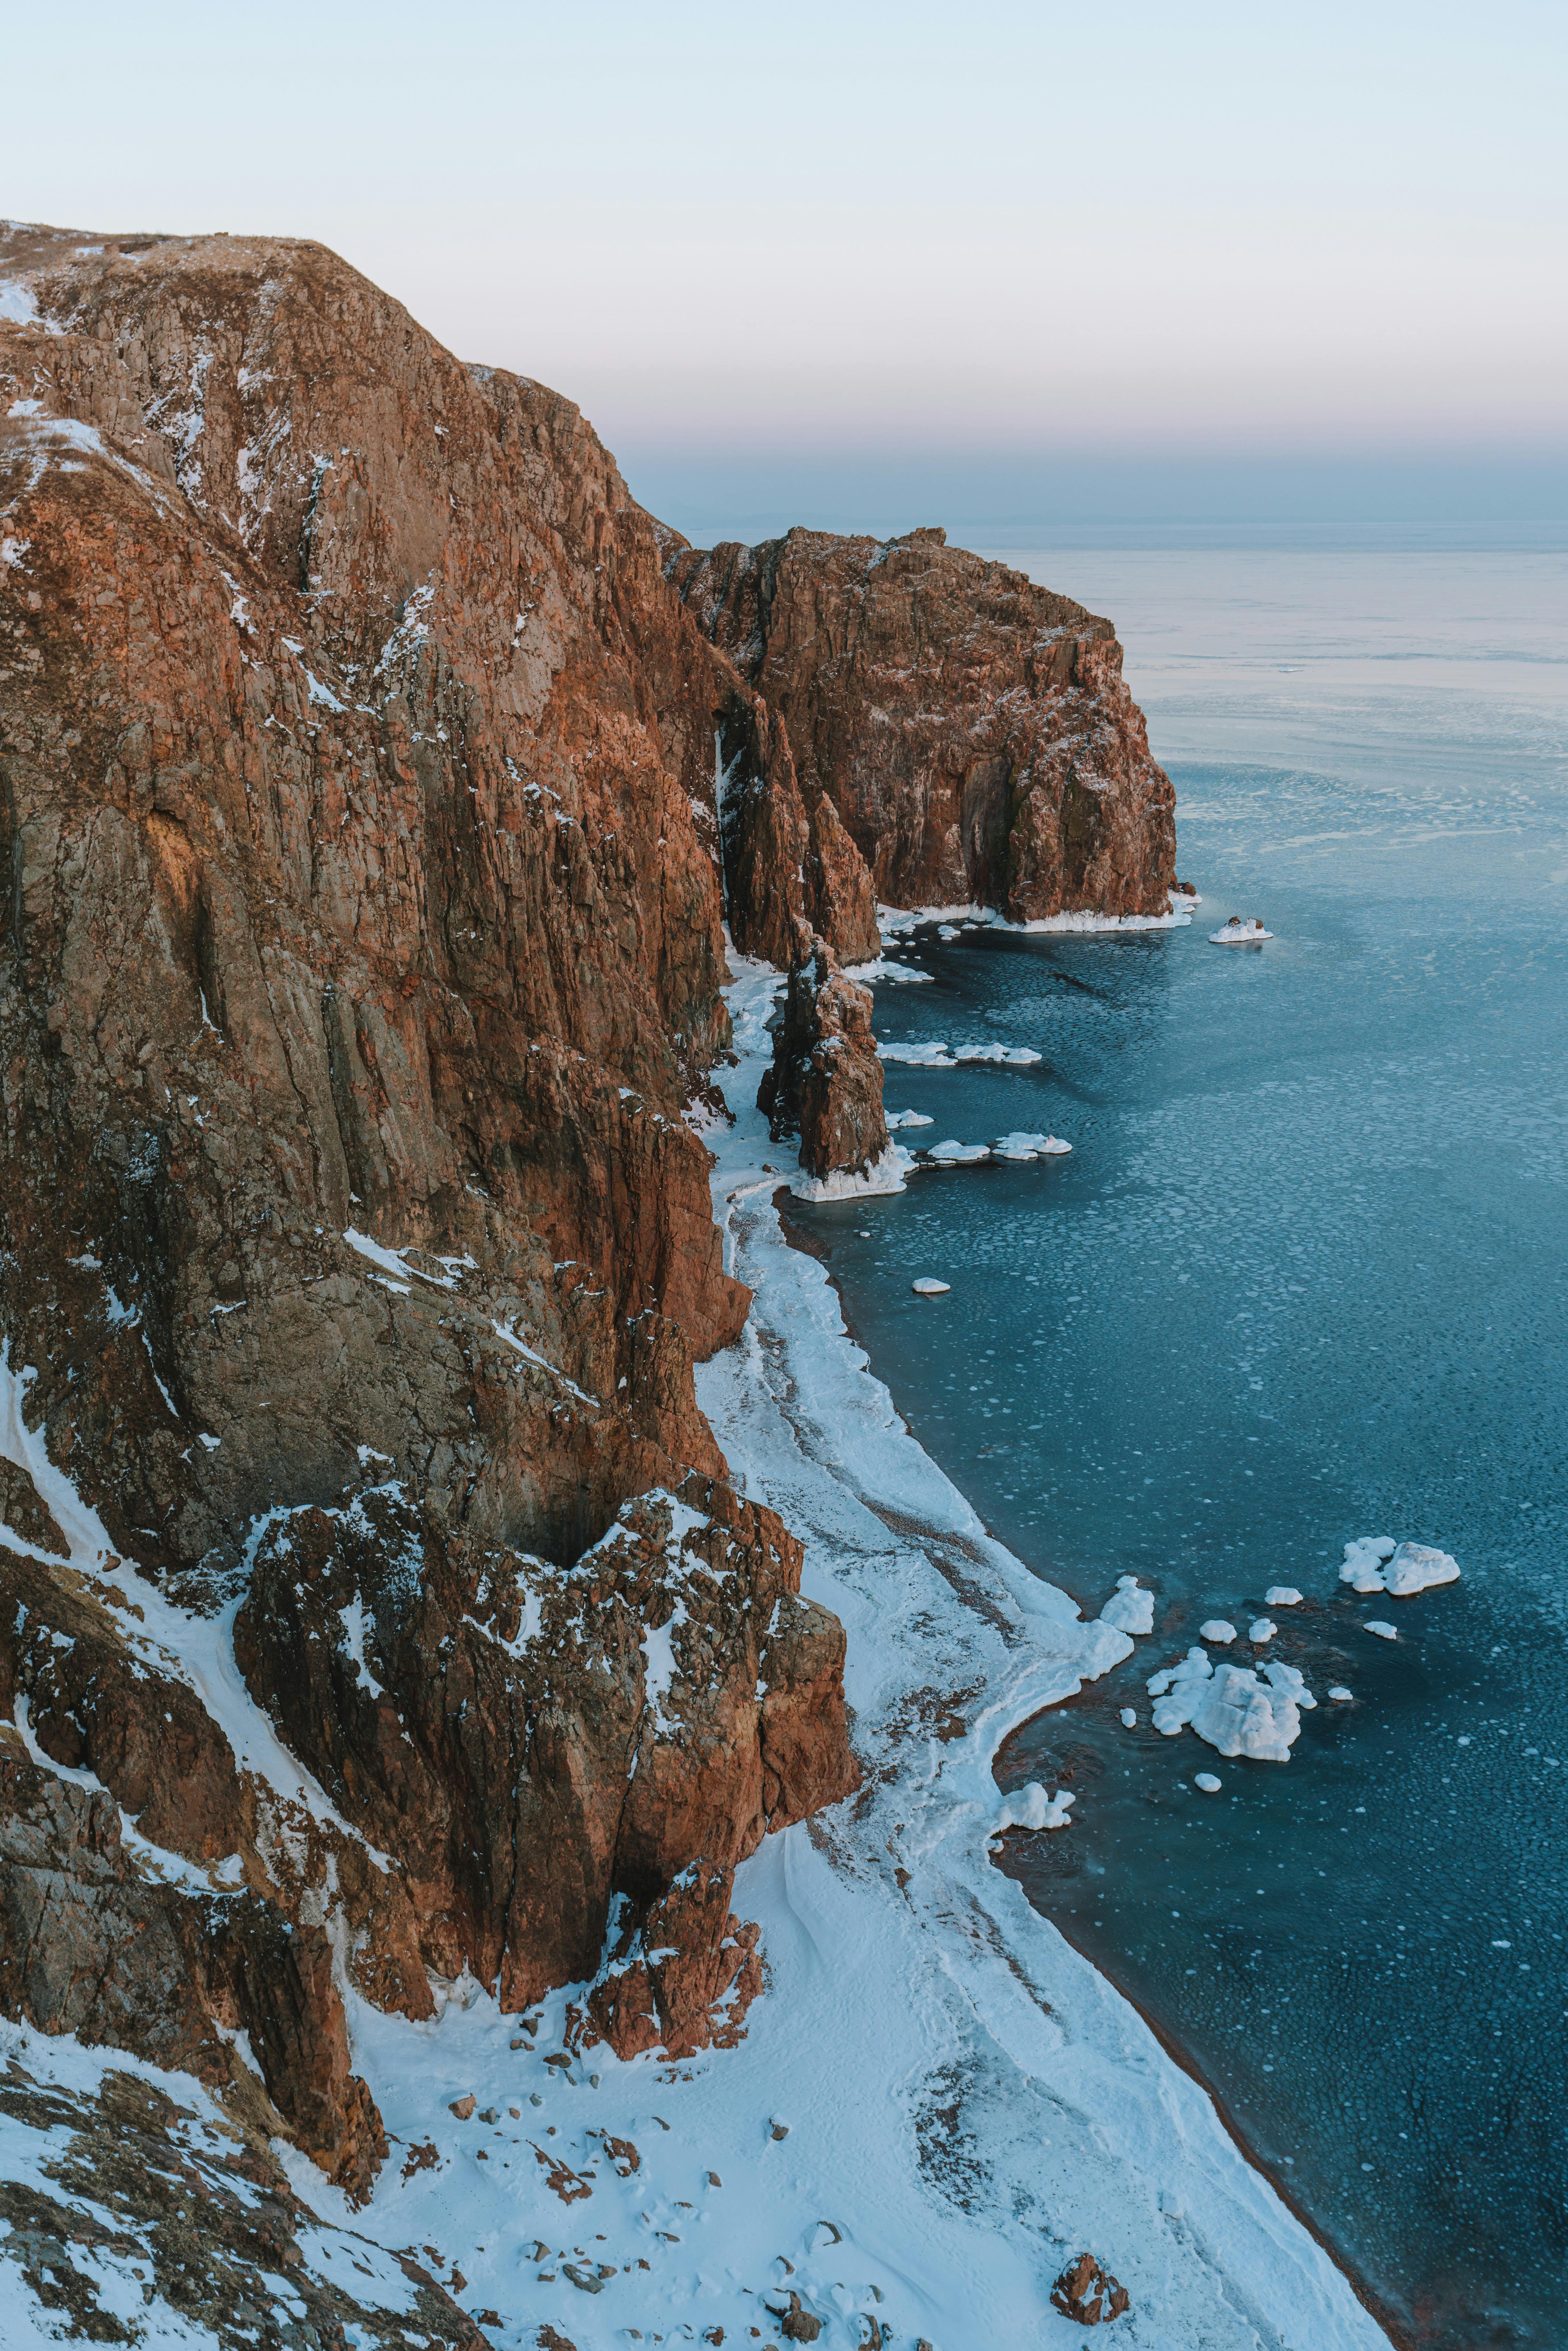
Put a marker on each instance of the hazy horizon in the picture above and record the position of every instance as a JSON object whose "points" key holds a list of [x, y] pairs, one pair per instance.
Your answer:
{"points": [[885, 266]]}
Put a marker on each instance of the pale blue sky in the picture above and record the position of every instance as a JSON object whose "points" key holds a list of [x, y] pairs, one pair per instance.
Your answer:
{"points": [[1198, 236]]}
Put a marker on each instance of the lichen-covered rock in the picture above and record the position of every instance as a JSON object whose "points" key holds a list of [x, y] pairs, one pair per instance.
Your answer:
{"points": [[825, 1080], [972, 730]]}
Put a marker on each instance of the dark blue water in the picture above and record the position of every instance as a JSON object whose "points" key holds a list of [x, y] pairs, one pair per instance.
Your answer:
{"points": [[1304, 1277]]}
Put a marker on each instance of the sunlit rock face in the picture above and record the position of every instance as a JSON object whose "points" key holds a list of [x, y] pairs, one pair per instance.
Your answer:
{"points": [[362, 946], [972, 730]]}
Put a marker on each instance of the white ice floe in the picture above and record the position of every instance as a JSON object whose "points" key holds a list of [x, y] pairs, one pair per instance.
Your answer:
{"points": [[896, 922], [1281, 1595], [1217, 1629], [933, 1053], [1129, 1608], [1340, 1695], [1129, 1718], [897, 1118], [888, 1174], [1032, 1808], [1207, 1781], [871, 975], [927, 1287], [1376, 1563], [1028, 1147], [958, 1155], [1232, 1708], [1238, 933], [1383, 1628], [1261, 1629]]}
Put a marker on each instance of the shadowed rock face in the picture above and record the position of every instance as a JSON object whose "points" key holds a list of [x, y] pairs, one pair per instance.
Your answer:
{"points": [[359, 946], [972, 730], [825, 1082]]}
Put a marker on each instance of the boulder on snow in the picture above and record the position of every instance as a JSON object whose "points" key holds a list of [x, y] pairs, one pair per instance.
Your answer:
{"points": [[1087, 2291]]}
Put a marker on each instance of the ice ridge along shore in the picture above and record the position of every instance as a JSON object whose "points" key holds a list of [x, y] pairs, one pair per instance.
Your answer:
{"points": [[916, 1979]]}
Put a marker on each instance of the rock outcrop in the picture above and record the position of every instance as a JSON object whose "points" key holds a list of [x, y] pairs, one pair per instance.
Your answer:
{"points": [[361, 946], [125, 2188], [825, 1082], [375, 1607], [1088, 2292], [972, 730]]}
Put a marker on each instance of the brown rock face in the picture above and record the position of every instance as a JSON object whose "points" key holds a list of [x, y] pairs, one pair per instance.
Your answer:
{"points": [[87, 1945], [207, 2217], [972, 730], [682, 1976], [784, 862], [361, 944], [1088, 2292], [826, 1079]]}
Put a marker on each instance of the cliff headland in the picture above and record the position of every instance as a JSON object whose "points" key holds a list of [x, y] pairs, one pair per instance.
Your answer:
{"points": [[378, 1612]]}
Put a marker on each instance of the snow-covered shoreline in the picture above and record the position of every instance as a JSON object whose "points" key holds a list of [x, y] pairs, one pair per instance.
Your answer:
{"points": [[888, 1926], [937, 2103]]}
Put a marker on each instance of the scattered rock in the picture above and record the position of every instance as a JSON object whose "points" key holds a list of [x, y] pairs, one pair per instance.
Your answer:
{"points": [[796, 2324], [1088, 2292], [463, 2107]]}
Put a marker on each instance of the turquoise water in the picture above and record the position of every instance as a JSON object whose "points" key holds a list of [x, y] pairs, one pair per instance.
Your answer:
{"points": [[1303, 1278]]}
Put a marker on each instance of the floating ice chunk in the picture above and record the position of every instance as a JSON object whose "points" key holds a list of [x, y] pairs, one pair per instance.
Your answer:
{"points": [[1416, 1567], [1261, 1629], [1032, 1808], [1364, 1561], [1384, 1630], [1016, 1057], [929, 1288], [1129, 1718], [1232, 1708], [958, 1155], [1238, 933], [1340, 1695], [1375, 1563], [1281, 1595], [884, 968], [1028, 1147], [897, 1118], [932, 1053], [1217, 1629], [1207, 1781], [1129, 1608]]}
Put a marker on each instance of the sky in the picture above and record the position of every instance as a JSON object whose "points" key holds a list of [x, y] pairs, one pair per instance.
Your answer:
{"points": [[1025, 261]]}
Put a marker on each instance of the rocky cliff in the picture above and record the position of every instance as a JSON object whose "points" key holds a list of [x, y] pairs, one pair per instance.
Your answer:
{"points": [[362, 948], [972, 730], [376, 778], [825, 1082]]}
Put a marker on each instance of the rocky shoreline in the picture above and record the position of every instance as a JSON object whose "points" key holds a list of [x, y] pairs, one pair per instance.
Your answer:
{"points": [[379, 1613]]}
